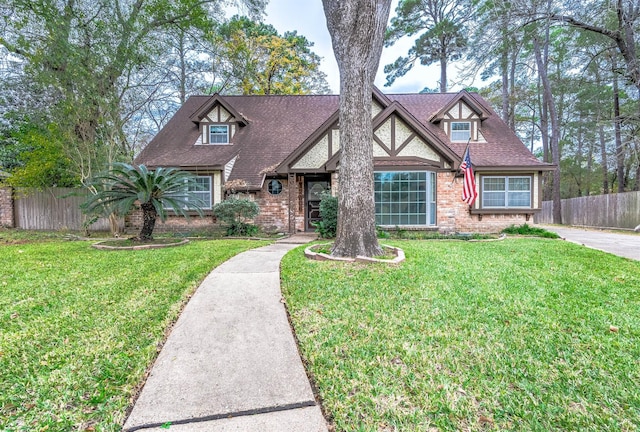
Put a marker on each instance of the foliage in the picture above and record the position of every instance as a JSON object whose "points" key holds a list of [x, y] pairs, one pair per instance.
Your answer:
{"points": [[125, 186], [93, 64], [260, 61], [36, 159], [528, 230], [326, 227], [510, 335], [79, 333], [442, 36], [236, 214]]}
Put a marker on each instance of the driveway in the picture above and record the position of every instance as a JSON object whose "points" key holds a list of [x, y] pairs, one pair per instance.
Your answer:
{"points": [[624, 245]]}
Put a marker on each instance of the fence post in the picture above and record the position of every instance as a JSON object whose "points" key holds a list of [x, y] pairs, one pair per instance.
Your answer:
{"points": [[7, 218]]}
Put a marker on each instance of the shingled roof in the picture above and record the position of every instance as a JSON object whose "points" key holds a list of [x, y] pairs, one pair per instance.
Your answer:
{"points": [[275, 126]]}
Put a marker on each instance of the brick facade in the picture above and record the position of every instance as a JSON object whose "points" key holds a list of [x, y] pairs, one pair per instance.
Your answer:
{"points": [[453, 214], [173, 224], [6, 207]]}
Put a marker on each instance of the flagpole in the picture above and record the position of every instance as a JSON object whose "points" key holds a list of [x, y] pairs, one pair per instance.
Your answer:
{"points": [[463, 155]]}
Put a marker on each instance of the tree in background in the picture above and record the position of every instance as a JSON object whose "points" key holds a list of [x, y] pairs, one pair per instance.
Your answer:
{"points": [[257, 60], [442, 35], [357, 32]]}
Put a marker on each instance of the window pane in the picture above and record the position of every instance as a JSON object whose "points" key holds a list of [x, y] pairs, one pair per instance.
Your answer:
{"points": [[519, 184], [219, 134], [519, 199], [460, 131], [201, 190], [493, 199], [400, 198], [506, 192], [494, 184]]}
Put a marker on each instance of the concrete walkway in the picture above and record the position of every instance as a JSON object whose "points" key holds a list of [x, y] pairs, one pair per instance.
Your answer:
{"points": [[624, 245], [231, 362]]}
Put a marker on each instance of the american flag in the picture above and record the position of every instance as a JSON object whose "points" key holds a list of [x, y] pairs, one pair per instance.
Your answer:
{"points": [[469, 193]]}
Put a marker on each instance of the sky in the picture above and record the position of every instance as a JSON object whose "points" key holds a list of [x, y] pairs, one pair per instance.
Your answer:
{"points": [[307, 17]]}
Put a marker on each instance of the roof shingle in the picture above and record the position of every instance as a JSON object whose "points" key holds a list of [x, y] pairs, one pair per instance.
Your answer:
{"points": [[277, 125]]}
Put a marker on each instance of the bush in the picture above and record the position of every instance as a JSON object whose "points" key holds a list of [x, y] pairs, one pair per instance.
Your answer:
{"points": [[235, 213], [328, 225], [529, 231]]}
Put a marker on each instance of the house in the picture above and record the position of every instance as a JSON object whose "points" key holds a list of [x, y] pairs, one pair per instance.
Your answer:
{"points": [[284, 151]]}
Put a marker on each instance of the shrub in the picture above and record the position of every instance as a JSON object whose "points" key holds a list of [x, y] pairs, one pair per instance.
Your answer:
{"points": [[235, 213], [329, 214], [529, 231]]}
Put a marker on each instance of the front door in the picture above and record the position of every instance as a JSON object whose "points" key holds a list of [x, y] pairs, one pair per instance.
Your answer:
{"points": [[314, 187]]}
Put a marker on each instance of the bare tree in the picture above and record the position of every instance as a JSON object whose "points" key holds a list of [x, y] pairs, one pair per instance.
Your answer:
{"points": [[357, 32]]}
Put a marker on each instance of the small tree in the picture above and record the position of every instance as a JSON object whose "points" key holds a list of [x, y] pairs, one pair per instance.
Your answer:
{"points": [[124, 186], [236, 214]]}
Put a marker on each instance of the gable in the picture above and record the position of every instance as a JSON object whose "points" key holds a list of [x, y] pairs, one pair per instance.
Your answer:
{"points": [[395, 139], [320, 152], [218, 115], [461, 111]]}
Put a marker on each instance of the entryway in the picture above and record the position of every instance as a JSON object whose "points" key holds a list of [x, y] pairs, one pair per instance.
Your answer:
{"points": [[314, 187]]}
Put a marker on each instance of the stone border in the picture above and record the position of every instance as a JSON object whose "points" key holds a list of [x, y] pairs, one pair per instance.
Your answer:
{"points": [[319, 256], [500, 238], [101, 246]]}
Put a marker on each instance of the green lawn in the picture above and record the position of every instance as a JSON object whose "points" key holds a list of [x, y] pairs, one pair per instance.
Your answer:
{"points": [[79, 327], [509, 335]]}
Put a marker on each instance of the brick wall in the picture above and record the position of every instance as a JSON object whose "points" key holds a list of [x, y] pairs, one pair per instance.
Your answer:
{"points": [[6, 207], [453, 214], [173, 224], [274, 209]]}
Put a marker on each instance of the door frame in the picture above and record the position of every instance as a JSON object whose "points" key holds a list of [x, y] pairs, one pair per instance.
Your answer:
{"points": [[307, 180]]}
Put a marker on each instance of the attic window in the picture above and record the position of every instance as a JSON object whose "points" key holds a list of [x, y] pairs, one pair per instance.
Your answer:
{"points": [[460, 131], [218, 134]]}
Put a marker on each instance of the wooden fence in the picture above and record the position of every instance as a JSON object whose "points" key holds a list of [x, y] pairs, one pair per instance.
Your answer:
{"points": [[620, 210], [54, 209]]}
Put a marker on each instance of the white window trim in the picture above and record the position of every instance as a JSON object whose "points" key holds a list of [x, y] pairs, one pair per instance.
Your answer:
{"points": [[506, 192], [210, 126], [210, 191], [431, 180], [451, 131]]}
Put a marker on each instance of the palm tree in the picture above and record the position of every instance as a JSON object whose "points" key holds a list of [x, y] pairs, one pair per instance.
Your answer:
{"points": [[124, 186]]}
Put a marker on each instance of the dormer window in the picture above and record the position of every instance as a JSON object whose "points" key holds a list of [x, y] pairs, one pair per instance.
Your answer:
{"points": [[218, 134], [460, 131]]}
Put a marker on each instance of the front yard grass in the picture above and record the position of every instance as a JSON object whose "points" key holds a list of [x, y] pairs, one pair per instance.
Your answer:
{"points": [[522, 334], [79, 326]]}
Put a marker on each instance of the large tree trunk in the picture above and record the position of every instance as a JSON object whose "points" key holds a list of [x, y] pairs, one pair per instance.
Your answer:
{"points": [[149, 215], [357, 30], [504, 71], [603, 141], [443, 73], [603, 156], [555, 132], [618, 133]]}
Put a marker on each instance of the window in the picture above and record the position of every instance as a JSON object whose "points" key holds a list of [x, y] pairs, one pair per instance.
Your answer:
{"points": [[275, 187], [201, 190], [506, 192], [460, 131], [219, 134], [405, 198]]}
